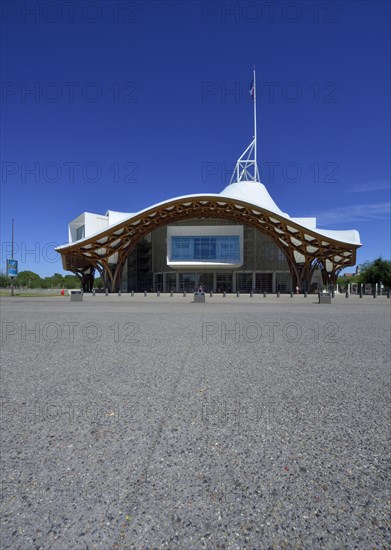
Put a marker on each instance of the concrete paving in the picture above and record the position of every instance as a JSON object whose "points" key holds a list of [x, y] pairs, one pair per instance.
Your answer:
{"points": [[154, 422]]}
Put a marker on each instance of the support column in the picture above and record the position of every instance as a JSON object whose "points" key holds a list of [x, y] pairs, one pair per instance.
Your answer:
{"points": [[164, 283], [108, 276], [234, 281], [274, 282], [177, 282], [124, 278], [87, 279], [254, 281], [214, 281]]}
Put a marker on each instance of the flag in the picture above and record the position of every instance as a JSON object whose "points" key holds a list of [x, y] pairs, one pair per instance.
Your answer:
{"points": [[252, 90]]}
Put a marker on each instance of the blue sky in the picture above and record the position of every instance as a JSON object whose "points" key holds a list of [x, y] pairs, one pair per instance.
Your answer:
{"points": [[118, 105]]}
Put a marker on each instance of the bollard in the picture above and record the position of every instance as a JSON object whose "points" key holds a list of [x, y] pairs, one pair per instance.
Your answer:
{"points": [[388, 294], [291, 294], [224, 294], [251, 294], [305, 294], [119, 293], [347, 294], [278, 294], [158, 293], [211, 294], [237, 294], [360, 293], [171, 294], [374, 293], [264, 294], [145, 293], [132, 293], [184, 294], [106, 292], [93, 291]]}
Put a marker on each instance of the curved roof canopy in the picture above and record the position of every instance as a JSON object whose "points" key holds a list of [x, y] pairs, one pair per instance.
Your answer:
{"points": [[301, 242]]}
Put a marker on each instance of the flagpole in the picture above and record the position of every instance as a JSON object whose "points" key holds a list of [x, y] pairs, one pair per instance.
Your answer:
{"points": [[255, 126]]}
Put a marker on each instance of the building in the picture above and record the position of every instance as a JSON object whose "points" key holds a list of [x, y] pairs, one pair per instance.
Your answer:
{"points": [[236, 240]]}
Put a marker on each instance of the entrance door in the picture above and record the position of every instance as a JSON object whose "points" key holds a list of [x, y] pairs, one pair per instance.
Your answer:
{"points": [[187, 282], [159, 282], [264, 282], [224, 282], [244, 282], [206, 280]]}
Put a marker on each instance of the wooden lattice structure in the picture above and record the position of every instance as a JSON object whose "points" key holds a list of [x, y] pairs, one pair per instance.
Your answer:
{"points": [[305, 249]]}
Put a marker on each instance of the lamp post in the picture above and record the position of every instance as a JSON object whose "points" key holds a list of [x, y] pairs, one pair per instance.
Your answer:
{"points": [[12, 256]]}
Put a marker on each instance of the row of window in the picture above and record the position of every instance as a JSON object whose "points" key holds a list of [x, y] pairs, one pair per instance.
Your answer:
{"points": [[206, 248]]}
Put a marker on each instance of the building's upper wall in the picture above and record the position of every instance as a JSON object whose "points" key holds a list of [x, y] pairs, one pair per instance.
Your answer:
{"points": [[92, 223]]}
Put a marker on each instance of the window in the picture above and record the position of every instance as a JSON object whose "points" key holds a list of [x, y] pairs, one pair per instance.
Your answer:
{"points": [[80, 232], [206, 248]]}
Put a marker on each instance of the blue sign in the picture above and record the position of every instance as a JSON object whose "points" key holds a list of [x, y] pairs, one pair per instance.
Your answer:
{"points": [[12, 268]]}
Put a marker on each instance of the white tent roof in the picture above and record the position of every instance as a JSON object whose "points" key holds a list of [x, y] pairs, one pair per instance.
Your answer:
{"points": [[252, 192]]}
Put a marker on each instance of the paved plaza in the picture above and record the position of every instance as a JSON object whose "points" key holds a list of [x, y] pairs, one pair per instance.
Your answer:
{"points": [[154, 422]]}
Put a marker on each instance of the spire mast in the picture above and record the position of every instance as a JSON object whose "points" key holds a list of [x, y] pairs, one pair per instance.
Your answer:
{"points": [[246, 168], [255, 123]]}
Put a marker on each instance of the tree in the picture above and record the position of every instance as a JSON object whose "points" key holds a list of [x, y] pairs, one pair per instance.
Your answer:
{"points": [[4, 281], [28, 279], [71, 281], [377, 271], [98, 283], [55, 281], [343, 280]]}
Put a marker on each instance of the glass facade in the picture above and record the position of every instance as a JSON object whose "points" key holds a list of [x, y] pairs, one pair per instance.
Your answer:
{"points": [[264, 282], [139, 267], [244, 281], [206, 248], [264, 267]]}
